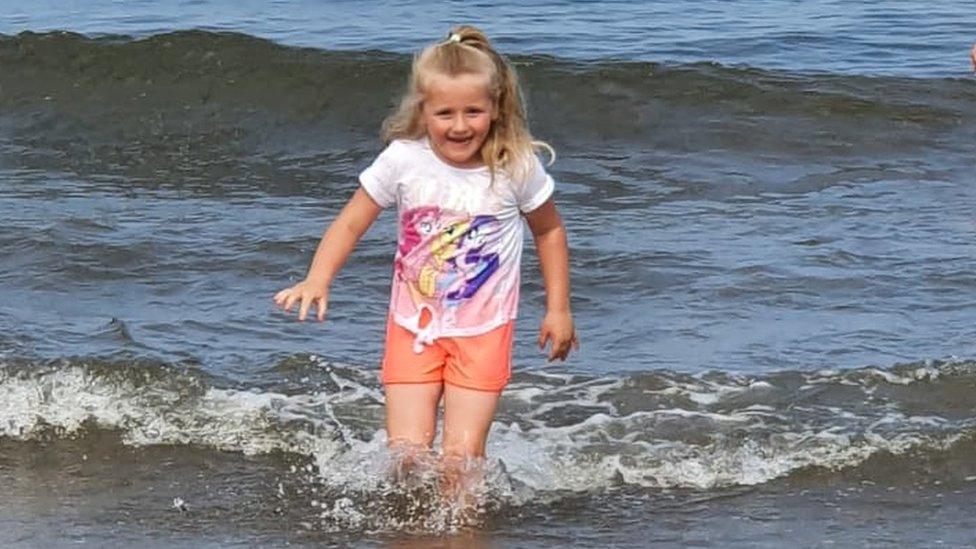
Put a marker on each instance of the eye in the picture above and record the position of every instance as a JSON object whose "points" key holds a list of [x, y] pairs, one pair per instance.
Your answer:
{"points": [[474, 236]]}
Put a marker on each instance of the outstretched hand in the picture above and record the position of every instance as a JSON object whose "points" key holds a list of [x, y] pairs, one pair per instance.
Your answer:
{"points": [[306, 294], [557, 329]]}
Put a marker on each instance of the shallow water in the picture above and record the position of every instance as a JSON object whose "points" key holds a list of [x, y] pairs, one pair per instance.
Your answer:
{"points": [[772, 263]]}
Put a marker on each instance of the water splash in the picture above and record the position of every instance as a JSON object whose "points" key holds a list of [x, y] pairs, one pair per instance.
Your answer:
{"points": [[553, 433]]}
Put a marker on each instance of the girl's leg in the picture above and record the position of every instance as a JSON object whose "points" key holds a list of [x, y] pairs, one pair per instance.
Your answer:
{"points": [[411, 413], [467, 419]]}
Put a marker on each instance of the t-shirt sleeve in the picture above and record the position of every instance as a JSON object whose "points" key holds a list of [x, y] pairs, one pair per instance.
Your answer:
{"points": [[379, 180], [535, 190]]}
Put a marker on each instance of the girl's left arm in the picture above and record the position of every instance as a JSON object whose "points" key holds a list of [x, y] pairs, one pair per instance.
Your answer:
{"points": [[550, 242]]}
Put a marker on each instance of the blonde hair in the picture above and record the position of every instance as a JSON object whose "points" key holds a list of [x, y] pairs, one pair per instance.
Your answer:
{"points": [[509, 146]]}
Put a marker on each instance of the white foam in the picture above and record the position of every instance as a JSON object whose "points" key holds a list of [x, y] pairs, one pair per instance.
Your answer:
{"points": [[671, 447], [68, 399]]}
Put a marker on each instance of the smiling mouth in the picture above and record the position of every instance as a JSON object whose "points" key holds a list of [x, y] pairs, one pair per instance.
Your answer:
{"points": [[460, 141]]}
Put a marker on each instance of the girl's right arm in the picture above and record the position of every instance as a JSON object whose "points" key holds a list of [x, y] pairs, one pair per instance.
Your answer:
{"points": [[336, 245]]}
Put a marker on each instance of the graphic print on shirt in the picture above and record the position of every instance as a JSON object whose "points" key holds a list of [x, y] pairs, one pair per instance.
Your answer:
{"points": [[444, 257]]}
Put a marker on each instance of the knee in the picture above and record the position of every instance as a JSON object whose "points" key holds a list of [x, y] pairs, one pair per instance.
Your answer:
{"points": [[463, 445], [411, 443]]}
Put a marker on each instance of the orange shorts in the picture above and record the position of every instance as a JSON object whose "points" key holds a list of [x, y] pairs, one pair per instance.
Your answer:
{"points": [[482, 362]]}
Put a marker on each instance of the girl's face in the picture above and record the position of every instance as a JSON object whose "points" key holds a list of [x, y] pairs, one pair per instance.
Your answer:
{"points": [[457, 113]]}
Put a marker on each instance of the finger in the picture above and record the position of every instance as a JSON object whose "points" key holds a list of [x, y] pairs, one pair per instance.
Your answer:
{"points": [[543, 338], [570, 344], [554, 350], [289, 302], [573, 344], [280, 297], [321, 309], [564, 349], [303, 310]]}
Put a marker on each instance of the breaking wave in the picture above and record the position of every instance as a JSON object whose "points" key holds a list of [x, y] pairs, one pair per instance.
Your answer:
{"points": [[553, 432]]}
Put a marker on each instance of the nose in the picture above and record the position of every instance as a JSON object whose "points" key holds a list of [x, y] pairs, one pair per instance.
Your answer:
{"points": [[459, 124]]}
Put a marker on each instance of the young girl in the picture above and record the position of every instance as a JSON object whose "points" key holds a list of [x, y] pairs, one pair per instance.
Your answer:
{"points": [[461, 168]]}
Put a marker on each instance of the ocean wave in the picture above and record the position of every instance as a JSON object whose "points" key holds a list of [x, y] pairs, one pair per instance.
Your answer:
{"points": [[208, 101], [552, 433]]}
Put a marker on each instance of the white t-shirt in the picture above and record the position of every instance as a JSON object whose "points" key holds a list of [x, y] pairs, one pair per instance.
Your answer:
{"points": [[459, 239]]}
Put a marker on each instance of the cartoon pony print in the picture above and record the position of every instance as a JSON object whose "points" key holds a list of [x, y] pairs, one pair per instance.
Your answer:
{"points": [[442, 256], [472, 264], [415, 225], [439, 264]]}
